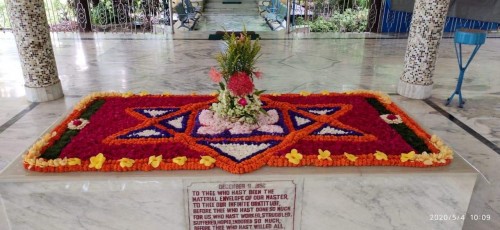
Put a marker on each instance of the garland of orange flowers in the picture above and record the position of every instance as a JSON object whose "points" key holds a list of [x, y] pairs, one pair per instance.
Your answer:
{"points": [[34, 163]]}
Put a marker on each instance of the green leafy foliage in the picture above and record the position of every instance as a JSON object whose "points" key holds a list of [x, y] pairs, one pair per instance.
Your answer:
{"points": [[102, 13], [240, 55], [350, 20]]}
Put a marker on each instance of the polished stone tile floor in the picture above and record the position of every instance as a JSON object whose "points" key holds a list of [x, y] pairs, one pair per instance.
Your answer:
{"points": [[313, 62]]}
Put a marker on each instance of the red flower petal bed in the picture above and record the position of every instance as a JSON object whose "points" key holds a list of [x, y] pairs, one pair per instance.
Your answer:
{"points": [[127, 132]]}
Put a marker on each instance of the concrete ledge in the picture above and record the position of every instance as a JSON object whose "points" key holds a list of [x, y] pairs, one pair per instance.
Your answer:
{"points": [[325, 198]]}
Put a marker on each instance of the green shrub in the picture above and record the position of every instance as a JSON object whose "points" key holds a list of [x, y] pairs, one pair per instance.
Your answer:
{"points": [[350, 20]]}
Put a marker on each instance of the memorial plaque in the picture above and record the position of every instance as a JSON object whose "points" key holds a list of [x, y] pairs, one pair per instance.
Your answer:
{"points": [[241, 205]]}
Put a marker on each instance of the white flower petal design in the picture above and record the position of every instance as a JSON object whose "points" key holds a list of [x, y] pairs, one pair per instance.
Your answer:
{"points": [[177, 123], [213, 124], [240, 151], [331, 131], [301, 121], [320, 111], [145, 133], [156, 113]]}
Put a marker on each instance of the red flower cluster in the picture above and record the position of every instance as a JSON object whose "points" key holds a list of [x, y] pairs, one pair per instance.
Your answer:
{"points": [[240, 84]]}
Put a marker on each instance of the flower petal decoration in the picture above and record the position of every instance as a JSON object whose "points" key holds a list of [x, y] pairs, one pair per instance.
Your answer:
{"points": [[380, 156], [425, 158], [155, 161], [127, 94], [408, 156], [240, 84], [350, 157], [258, 74], [304, 93], [182, 125], [78, 124], [391, 119], [324, 155], [243, 102], [126, 162], [74, 161], [215, 75], [294, 156], [180, 160], [207, 160], [97, 161]]}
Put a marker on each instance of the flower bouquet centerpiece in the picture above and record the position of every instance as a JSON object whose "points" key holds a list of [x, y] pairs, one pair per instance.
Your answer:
{"points": [[238, 99]]}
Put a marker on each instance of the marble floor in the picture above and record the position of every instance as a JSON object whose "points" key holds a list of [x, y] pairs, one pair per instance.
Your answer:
{"points": [[180, 64]]}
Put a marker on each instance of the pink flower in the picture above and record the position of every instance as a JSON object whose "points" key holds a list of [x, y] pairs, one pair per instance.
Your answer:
{"points": [[240, 84], [215, 75], [77, 122], [243, 102], [257, 74], [392, 117]]}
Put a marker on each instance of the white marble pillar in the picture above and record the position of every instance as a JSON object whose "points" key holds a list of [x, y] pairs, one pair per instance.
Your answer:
{"points": [[426, 30], [31, 31]]}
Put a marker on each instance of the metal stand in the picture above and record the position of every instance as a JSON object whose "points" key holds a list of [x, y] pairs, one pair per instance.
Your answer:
{"points": [[468, 37], [458, 89]]}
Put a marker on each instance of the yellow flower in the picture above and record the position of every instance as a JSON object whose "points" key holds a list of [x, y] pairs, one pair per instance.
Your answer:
{"points": [[180, 160], [446, 151], [294, 157], [426, 158], [126, 162], [304, 93], [97, 161], [41, 163], [350, 157], [166, 93], [324, 155], [380, 156], [207, 160], [155, 161], [74, 161], [325, 92], [408, 156], [143, 93], [440, 158], [127, 94]]}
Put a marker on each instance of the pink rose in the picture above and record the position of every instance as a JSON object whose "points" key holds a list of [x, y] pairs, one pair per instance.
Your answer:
{"points": [[215, 75], [243, 102], [76, 122], [257, 74]]}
